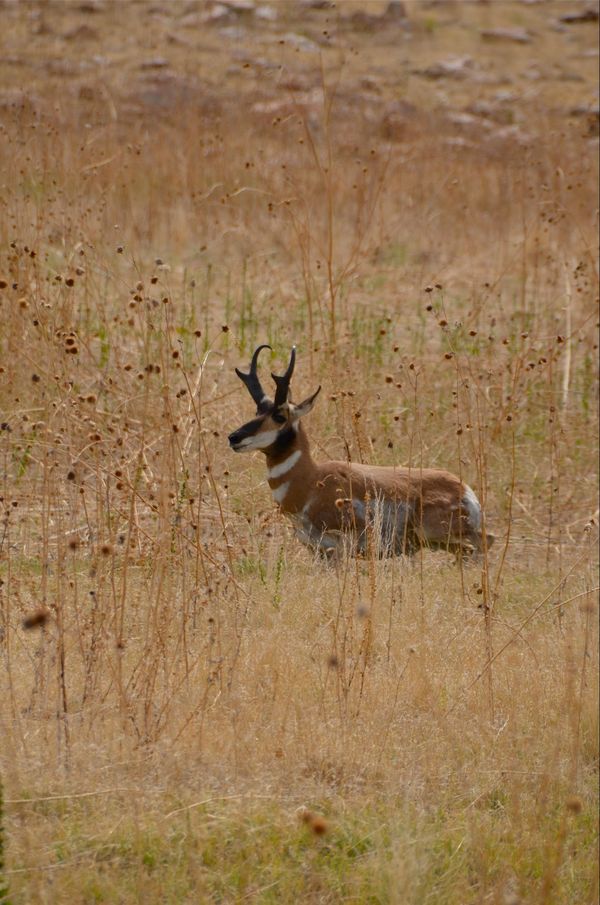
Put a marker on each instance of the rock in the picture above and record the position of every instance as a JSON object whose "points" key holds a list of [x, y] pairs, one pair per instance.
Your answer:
{"points": [[395, 12], [91, 6], [223, 12], [192, 20], [294, 83], [588, 14], [271, 108], [370, 84], [456, 141], [397, 119], [39, 26], [216, 15], [266, 13], [239, 7], [451, 68], [300, 42], [505, 116], [82, 32], [61, 67], [516, 35], [585, 110], [467, 121], [241, 56], [533, 74], [154, 63], [506, 97], [164, 92], [591, 113], [233, 33], [566, 76], [361, 21], [177, 40], [512, 134]]}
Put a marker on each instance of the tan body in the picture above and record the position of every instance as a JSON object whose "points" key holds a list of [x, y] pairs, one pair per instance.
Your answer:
{"points": [[335, 505], [346, 507]]}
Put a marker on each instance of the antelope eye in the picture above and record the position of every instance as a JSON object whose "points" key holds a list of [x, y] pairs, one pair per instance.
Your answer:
{"points": [[278, 419]]}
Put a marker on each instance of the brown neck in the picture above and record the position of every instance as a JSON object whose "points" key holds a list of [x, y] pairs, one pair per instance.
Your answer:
{"points": [[288, 443], [291, 470]]}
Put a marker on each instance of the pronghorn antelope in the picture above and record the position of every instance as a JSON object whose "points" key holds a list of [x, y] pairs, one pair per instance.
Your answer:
{"points": [[338, 506]]}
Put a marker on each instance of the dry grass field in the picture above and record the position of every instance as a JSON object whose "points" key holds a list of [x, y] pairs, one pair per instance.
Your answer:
{"points": [[193, 709]]}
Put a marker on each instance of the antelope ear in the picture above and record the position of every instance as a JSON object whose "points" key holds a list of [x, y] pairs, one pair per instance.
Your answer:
{"points": [[303, 408]]}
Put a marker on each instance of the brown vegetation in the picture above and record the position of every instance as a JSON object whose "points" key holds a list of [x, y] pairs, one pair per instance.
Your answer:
{"points": [[415, 206]]}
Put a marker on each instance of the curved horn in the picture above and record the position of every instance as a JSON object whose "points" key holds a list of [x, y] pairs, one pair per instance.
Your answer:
{"points": [[251, 379], [283, 382]]}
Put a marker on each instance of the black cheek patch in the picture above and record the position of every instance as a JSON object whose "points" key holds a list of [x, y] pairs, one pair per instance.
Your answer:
{"points": [[250, 429], [284, 439]]}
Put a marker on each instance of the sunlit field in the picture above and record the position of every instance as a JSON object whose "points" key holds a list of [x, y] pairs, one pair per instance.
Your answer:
{"points": [[194, 708]]}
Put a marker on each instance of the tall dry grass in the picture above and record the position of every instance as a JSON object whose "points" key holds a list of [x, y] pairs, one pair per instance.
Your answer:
{"points": [[179, 675]]}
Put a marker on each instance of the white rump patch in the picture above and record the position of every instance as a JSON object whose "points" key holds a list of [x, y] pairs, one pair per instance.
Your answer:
{"points": [[279, 470], [473, 507]]}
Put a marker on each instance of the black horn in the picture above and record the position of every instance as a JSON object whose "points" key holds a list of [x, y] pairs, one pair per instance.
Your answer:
{"points": [[283, 383], [252, 382]]}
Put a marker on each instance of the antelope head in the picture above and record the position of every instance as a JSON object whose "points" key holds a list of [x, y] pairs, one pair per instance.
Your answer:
{"points": [[276, 418]]}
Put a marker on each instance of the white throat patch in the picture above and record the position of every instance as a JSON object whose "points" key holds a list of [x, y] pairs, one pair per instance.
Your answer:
{"points": [[280, 492], [279, 470]]}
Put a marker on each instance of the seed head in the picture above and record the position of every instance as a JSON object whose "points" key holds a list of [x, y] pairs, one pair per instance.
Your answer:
{"points": [[315, 822], [318, 825], [36, 618]]}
